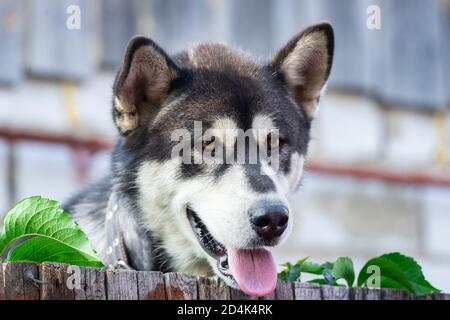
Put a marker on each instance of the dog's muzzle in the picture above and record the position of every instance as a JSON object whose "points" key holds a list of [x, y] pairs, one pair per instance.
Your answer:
{"points": [[253, 269]]}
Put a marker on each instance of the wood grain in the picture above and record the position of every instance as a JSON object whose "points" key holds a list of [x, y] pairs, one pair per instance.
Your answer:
{"points": [[283, 291], [91, 285], [151, 285], [441, 296], [20, 281], [57, 282], [364, 294], [213, 288], [122, 285], [2, 282], [180, 286], [394, 294], [335, 293], [54, 281], [239, 295], [307, 291]]}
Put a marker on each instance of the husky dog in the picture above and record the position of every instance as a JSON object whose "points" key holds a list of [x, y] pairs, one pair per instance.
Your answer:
{"points": [[158, 210]]}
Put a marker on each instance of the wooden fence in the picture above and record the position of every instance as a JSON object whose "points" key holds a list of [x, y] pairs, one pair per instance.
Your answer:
{"points": [[56, 281]]}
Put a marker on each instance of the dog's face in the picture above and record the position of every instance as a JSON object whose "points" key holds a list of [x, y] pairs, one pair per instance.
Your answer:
{"points": [[216, 142]]}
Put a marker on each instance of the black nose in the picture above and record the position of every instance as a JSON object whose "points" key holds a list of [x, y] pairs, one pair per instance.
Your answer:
{"points": [[269, 222]]}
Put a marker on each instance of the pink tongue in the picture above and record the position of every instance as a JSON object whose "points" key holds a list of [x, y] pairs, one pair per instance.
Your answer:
{"points": [[254, 270]]}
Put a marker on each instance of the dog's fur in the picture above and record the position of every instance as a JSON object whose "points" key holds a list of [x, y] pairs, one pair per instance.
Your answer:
{"points": [[154, 94]]}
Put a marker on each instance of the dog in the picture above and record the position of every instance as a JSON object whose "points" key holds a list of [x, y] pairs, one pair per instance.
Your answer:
{"points": [[162, 210]]}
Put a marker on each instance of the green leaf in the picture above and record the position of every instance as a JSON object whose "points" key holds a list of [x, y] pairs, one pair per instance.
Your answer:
{"points": [[327, 266], [311, 267], [318, 281], [293, 273], [343, 269], [41, 248], [283, 275], [327, 273], [55, 236], [397, 271], [302, 261]]}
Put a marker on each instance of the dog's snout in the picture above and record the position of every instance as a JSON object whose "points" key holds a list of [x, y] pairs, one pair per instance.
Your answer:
{"points": [[269, 222]]}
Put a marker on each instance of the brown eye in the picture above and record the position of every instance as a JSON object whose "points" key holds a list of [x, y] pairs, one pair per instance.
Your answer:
{"points": [[206, 144], [273, 141], [209, 145]]}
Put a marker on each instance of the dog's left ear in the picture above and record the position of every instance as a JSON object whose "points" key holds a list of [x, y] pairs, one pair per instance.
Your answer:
{"points": [[142, 84], [305, 64]]}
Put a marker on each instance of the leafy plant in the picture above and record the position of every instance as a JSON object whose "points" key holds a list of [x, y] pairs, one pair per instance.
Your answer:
{"points": [[391, 270], [43, 231], [398, 271], [38, 230]]}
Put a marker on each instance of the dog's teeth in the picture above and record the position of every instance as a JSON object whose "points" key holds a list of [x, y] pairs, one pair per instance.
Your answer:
{"points": [[205, 238]]}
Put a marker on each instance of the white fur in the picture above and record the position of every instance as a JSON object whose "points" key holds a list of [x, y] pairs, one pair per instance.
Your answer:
{"points": [[262, 121]]}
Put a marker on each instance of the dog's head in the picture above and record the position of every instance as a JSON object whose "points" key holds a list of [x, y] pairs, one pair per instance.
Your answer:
{"points": [[215, 142]]}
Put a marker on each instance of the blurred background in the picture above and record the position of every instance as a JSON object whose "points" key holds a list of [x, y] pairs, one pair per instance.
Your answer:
{"points": [[378, 177]]}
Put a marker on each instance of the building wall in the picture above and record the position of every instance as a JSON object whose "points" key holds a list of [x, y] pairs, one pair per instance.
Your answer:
{"points": [[403, 62]]}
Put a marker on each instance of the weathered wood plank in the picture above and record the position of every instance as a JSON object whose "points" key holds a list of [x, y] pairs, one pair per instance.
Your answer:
{"points": [[151, 285], [20, 281], [180, 286], [52, 281], [425, 297], [358, 293], [121, 285], [283, 291], [213, 288], [335, 293], [239, 295], [441, 296], [364, 294], [89, 283], [2, 282], [56, 282], [393, 294], [307, 291], [373, 294]]}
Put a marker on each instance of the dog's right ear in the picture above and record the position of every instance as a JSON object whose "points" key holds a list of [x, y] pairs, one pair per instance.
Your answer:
{"points": [[142, 84]]}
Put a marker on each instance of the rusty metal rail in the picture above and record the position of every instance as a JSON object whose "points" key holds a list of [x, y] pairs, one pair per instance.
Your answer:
{"points": [[91, 145]]}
